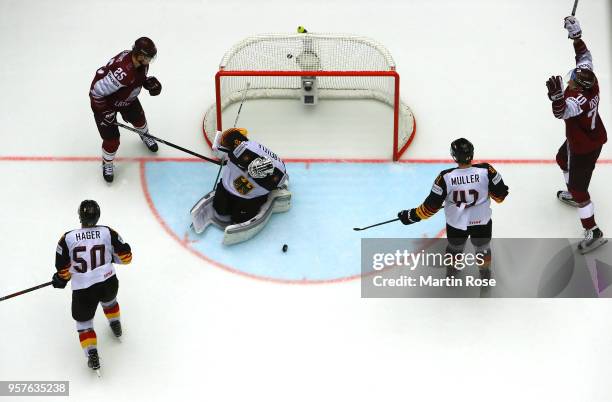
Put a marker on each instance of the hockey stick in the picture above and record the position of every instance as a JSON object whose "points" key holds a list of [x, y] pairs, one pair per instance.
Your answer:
{"points": [[378, 224], [574, 9], [216, 162], [248, 85], [25, 291]]}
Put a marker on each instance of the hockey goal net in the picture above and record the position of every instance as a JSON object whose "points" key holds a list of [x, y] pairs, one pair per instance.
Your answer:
{"points": [[294, 66]]}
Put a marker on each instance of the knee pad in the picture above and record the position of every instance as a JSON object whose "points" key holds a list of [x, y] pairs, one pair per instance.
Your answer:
{"points": [[581, 197], [110, 146]]}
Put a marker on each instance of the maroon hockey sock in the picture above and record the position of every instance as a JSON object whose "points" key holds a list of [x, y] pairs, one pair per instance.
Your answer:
{"points": [[588, 223], [110, 146]]}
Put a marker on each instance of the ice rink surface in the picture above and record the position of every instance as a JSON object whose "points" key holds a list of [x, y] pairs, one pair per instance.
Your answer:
{"points": [[206, 322]]}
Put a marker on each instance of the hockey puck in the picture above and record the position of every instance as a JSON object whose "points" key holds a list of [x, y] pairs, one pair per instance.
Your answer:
{"points": [[285, 247], [289, 56]]}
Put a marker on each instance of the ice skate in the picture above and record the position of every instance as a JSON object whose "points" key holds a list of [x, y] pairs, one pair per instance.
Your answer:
{"points": [[566, 198], [149, 142], [593, 238], [93, 361], [108, 171], [116, 328]]}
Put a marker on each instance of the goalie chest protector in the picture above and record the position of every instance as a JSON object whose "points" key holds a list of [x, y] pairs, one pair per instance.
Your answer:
{"points": [[236, 178]]}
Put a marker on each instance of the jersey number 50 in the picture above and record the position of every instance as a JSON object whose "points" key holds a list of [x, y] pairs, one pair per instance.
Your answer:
{"points": [[97, 250]]}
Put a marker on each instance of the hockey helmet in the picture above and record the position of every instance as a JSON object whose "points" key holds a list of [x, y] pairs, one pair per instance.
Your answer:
{"points": [[89, 213], [145, 47], [583, 77], [232, 137], [462, 150]]}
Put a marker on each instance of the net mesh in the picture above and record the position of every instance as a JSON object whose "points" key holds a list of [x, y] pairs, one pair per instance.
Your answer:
{"points": [[335, 56]]}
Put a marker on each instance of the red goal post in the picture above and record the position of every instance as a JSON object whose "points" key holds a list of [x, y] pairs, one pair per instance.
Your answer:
{"points": [[273, 66]]}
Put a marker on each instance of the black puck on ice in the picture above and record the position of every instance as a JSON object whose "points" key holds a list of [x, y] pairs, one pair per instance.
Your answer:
{"points": [[285, 247]]}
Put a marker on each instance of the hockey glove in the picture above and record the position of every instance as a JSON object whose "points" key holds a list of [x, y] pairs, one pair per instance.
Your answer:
{"points": [[152, 85], [573, 27], [58, 282], [408, 216], [555, 88]]}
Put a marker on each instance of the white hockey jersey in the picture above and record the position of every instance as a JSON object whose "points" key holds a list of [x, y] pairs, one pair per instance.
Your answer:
{"points": [[465, 194], [86, 255], [240, 176]]}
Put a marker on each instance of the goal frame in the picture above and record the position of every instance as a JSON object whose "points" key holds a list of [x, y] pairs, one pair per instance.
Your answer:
{"points": [[391, 73]]}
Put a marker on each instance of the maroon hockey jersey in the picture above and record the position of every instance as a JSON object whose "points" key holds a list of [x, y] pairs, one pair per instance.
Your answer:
{"points": [[584, 129], [117, 84]]}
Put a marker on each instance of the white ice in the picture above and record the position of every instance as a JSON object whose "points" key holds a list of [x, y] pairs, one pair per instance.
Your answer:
{"points": [[194, 332]]}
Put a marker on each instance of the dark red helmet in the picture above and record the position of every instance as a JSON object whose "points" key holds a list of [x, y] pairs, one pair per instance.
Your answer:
{"points": [[584, 77], [145, 47]]}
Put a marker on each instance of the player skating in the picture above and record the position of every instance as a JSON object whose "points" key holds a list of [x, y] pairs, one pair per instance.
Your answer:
{"points": [[85, 257], [585, 134], [465, 192], [115, 88]]}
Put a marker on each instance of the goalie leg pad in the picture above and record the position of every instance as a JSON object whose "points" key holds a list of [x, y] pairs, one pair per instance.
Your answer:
{"points": [[279, 200], [203, 214]]}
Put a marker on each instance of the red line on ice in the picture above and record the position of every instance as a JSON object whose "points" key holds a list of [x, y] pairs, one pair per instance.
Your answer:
{"points": [[26, 158]]}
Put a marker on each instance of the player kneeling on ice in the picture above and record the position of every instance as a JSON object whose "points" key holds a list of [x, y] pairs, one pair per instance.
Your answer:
{"points": [[253, 186], [85, 257], [465, 192]]}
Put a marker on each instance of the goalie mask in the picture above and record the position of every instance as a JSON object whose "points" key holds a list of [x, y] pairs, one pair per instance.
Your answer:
{"points": [[232, 137], [260, 168]]}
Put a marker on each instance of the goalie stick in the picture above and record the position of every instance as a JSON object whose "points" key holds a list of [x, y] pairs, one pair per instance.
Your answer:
{"points": [[248, 85]]}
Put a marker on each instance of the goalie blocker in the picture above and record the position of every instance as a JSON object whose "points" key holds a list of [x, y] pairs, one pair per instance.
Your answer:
{"points": [[253, 185]]}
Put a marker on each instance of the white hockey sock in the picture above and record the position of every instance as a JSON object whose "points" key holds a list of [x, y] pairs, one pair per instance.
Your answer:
{"points": [[587, 211], [108, 156]]}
